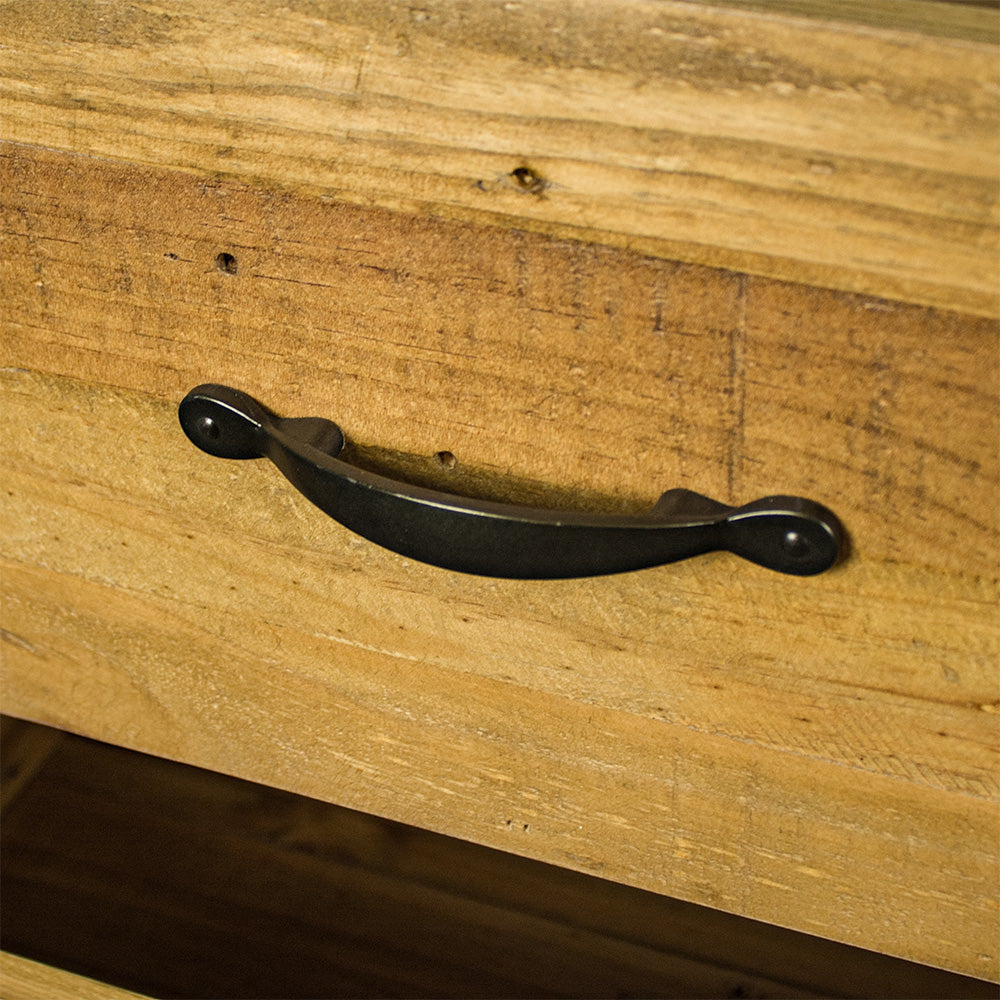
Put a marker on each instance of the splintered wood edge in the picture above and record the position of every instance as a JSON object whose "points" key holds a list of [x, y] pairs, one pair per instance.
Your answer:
{"points": [[828, 152]]}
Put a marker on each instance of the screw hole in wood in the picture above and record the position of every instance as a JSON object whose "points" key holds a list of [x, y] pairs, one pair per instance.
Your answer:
{"points": [[226, 263]]}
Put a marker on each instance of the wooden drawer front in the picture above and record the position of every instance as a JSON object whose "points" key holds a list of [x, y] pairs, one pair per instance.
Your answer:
{"points": [[816, 752]]}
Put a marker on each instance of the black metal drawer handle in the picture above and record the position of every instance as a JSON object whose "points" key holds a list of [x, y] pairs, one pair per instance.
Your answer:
{"points": [[789, 534]]}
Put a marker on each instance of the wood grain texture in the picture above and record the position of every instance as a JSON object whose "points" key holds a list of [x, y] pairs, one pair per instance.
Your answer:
{"points": [[816, 149], [22, 979], [814, 753], [185, 883]]}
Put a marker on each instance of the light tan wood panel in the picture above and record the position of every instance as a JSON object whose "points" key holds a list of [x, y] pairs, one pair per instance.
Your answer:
{"points": [[22, 979], [826, 151], [817, 753]]}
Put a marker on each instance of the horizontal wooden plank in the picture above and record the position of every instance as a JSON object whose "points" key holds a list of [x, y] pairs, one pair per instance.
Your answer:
{"points": [[551, 370], [185, 883], [821, 150], [22, 979]]}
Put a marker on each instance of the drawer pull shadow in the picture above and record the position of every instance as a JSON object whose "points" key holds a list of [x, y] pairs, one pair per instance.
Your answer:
{"points": [[788, 534]]}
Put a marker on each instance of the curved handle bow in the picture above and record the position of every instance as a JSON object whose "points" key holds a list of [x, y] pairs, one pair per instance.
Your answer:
{"points": [[788, 534]]}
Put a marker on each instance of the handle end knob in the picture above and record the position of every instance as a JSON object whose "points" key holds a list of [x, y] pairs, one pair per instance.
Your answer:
{"points": [[788, 534], [223, 422]]}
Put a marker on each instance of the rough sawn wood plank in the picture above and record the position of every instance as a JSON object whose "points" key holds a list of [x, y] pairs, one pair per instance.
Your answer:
{"points": [[822, 151]]}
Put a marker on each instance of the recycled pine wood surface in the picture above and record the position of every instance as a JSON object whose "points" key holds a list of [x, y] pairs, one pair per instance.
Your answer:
{"points": [[854, 148], [814, 753], [186, 883]]}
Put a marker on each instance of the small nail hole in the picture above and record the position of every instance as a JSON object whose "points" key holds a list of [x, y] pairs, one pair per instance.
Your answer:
{"points": [[446, 460], [226, 263], [528, 180]]}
